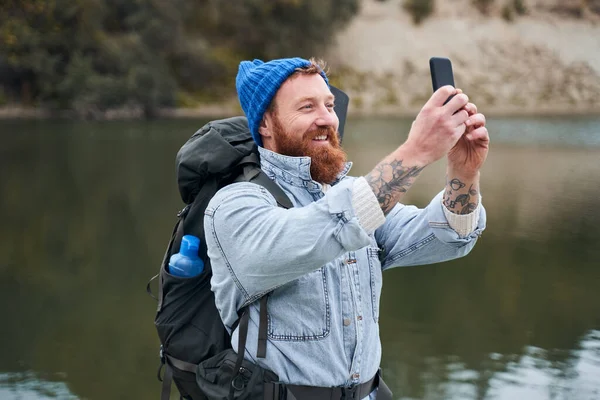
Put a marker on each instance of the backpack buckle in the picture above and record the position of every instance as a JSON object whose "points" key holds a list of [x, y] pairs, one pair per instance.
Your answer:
{"points": [[351, 393], [161, 354], [183, 213], [238, 382]]}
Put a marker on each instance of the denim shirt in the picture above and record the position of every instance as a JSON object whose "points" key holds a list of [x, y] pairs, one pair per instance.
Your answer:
{"points": [[321, 268]]}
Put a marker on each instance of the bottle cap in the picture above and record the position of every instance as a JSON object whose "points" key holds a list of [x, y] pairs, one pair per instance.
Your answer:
{"points": [[189, 245]]}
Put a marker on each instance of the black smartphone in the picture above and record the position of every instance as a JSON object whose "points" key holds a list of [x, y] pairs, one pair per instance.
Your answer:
{"points": [[441, 73]]}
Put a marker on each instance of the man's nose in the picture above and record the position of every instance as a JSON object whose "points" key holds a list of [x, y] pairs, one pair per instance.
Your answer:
{"points": [[327, 117]]}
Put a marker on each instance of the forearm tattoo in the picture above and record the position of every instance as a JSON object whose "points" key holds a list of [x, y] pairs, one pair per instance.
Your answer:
{"points": [[457, 200], [389, 180]]}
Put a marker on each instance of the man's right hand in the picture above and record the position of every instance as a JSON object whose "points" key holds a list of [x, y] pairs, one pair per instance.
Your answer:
{"points": [[434, 132], [437, 127]]}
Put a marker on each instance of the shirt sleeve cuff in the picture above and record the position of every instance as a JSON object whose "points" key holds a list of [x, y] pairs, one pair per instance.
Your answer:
{"points": [[463, 224], [366, 207]]}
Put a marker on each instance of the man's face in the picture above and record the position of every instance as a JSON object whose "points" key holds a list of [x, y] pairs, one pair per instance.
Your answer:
{"points": [[304, 124]]}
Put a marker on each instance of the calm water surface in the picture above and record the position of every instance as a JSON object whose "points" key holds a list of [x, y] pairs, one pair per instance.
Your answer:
{"points": [[86, 209]]}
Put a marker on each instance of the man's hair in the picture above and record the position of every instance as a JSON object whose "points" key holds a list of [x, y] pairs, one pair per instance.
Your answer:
{"points": [[317, 66]]}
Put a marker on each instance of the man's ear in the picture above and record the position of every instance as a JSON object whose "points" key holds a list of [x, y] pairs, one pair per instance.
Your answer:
{"points": [[266, 125]]}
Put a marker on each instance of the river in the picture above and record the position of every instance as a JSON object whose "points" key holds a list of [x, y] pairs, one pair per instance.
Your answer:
{"points": [[87, 209]]}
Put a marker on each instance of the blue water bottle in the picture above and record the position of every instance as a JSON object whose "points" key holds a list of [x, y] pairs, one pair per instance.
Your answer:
{"points": [[186, 263]]}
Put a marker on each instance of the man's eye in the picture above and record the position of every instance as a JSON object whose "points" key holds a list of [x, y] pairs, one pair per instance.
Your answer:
{"points": [[330, 105], [307, 107]]}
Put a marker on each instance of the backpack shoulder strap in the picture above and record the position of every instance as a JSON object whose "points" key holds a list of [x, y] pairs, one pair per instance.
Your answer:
{"points": [[253, 173]]}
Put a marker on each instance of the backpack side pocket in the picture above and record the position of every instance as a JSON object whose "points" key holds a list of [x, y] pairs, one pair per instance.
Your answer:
{"points": [[188, 324]]}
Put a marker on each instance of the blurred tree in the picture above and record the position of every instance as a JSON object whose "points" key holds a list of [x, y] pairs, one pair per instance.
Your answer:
{"points": [[277, 28], [93, 55], [88, 55], [265, 29]]}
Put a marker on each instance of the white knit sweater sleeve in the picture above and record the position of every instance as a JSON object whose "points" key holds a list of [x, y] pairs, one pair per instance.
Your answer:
{"points": [[463, 224]]}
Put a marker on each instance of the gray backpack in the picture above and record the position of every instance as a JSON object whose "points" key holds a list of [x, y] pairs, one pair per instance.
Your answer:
{"points": [[195, 346]]}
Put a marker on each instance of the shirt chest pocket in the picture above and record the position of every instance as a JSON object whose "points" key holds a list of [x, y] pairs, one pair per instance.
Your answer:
{"points": [[299, 310]]}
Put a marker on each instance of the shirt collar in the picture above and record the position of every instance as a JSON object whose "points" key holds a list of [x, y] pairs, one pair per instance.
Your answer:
{"points": [[298, 167]]}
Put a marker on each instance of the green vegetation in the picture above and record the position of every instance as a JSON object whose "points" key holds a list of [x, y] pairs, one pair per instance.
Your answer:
{"points": [[515, 7], [508, 13], [594, 6], [570, 9], [483, 5], [575, 9], [519, 7], [419, 9], [91, 56]]}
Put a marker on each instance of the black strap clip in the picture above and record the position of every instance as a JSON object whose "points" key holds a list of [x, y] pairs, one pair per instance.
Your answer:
{"points": [[350, 393], [381, 254], [238, 380], [161, 354]]}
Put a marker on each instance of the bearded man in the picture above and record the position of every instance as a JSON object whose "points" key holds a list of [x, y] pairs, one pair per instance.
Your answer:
{"points": [[321, 262]]}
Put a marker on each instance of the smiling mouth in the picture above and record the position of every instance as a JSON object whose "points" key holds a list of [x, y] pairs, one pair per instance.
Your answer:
{"points": [[320, 138]]}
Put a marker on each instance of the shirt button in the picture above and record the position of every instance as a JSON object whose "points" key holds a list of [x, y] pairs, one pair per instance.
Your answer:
{"points": [[359, 317], [355, 376], [346, 321]]}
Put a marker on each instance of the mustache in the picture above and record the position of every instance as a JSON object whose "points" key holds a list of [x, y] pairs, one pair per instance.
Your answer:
{"points": [[326, 130]]}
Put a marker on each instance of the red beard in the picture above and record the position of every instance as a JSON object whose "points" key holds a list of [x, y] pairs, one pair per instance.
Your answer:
{"points": [[327, 162]]}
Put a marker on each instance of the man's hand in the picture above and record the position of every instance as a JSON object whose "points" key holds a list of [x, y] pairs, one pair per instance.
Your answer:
{"points": [[464, 161], [470, 151], [434, 132], [438, 127]]}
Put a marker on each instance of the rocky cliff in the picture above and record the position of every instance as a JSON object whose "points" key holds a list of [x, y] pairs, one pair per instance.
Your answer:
{"points": [[544, 61]]}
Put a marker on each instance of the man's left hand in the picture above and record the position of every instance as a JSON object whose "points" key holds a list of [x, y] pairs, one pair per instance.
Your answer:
{"points": [[469, 153]]}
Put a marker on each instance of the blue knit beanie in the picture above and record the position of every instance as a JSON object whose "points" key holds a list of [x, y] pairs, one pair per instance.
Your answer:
{"points": [[257, 83]]}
